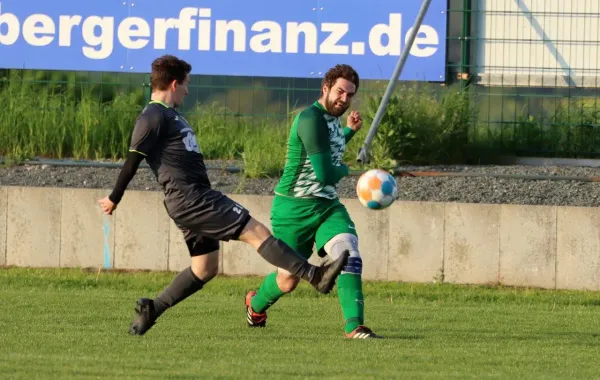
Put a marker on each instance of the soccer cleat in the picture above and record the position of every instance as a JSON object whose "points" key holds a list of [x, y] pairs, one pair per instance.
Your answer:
{"points": [[145, 317], [325, 276], [362, 332], [254, 319]]}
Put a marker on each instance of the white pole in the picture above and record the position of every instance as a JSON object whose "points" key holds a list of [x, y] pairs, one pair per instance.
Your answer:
{"points": [[363, 153]]}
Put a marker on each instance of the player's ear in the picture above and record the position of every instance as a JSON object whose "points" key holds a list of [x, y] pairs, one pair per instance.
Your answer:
{"points": [[173, 85]]}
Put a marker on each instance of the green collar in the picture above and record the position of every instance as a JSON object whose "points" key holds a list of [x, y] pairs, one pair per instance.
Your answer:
{"points": [[159, 102], [319, 106]]}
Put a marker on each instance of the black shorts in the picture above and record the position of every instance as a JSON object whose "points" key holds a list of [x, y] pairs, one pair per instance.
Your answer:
{"points": [[207, 219]]}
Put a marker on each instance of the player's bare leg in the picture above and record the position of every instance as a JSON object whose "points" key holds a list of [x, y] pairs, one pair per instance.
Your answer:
{"points": [[203, 269], [281, 255]]}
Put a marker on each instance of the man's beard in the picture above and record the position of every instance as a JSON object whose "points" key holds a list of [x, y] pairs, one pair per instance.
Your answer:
{"points": [[334, 110]]}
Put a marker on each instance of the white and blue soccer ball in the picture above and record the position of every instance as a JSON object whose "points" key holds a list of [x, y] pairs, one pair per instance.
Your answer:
{"points": [[377, 189]]}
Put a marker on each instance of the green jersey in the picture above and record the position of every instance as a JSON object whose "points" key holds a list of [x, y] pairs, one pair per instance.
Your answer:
{"points": [[313, 131]]}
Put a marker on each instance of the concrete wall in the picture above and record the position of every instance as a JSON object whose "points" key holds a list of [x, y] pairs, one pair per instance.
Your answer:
{"points": [[538, 246]]}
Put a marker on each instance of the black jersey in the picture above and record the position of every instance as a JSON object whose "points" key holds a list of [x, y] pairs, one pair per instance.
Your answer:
{"points": [[168, 142]]}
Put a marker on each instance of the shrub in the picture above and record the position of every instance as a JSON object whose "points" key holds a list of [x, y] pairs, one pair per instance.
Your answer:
{"points": [[417, 128]]}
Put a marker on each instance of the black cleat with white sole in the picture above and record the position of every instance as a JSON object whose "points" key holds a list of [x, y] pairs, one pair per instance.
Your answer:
{"points": [[325, 276], [145, 317], [362, 332]]}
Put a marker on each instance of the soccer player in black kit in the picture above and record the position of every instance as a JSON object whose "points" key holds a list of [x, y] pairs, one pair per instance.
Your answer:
{"points": [[205, 216]]}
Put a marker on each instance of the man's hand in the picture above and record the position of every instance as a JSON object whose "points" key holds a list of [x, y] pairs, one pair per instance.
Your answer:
{"points": [[107, 206], [354, 121]]}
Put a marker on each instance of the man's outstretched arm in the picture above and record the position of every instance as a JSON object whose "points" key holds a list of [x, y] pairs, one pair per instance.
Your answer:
{"points": [[127, 173], [144, 137], [314, 134]]}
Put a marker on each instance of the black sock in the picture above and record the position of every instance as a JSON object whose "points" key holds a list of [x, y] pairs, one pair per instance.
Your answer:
{"points": [[184, 285], [277, 253]]}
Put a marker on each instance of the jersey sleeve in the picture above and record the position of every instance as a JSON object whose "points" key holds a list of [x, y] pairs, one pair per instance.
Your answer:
{"points": [[348, 134], [324, 171], [145, 132], [125, 176], [313, 132]]}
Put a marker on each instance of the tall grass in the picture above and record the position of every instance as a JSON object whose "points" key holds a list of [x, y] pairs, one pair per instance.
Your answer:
{"points": [[420, 126], [260, 143], [40, 122], [572, 130], [37, 121]]}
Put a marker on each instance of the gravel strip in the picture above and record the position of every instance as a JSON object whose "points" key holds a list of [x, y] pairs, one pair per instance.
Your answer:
{"points": [[437, 189]]}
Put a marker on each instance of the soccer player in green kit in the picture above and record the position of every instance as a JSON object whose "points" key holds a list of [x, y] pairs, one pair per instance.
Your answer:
{"points": [[306, 209]]}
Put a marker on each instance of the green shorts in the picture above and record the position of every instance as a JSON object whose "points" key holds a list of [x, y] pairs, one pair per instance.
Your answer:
{"points": [[302, 222]]}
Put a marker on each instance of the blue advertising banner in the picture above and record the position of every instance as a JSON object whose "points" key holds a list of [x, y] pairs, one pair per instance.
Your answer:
{"points": [[224, 37]]}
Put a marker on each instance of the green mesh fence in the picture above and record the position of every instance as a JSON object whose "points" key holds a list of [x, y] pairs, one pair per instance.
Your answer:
{"points": [[250, 98], [531, 66]]}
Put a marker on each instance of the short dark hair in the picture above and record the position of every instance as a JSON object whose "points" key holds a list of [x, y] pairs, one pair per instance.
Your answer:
{"points": [[340, 71], [166, 69]]}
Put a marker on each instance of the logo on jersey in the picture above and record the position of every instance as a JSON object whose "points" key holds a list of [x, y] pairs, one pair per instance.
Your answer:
{"points": [[189, 141]]}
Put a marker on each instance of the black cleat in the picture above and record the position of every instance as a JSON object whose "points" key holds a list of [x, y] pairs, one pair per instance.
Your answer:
{"points": [[325, 276], [362, 332], [145, 318]]}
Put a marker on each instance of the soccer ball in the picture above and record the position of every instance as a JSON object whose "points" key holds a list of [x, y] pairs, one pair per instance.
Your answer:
{"points": [[376, 189]]}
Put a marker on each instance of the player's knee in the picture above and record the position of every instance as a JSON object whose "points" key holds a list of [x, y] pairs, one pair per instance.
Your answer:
{"points": [[205, 273], [342, 243], [206, 267], [287, 282], [254, 233]]}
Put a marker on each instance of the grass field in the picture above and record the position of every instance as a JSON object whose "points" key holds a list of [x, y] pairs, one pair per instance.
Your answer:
{"points": [[73, 323]]}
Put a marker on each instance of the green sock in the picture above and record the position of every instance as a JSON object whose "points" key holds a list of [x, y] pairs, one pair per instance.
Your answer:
{"points": [[351, 299], [267, 294]]}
